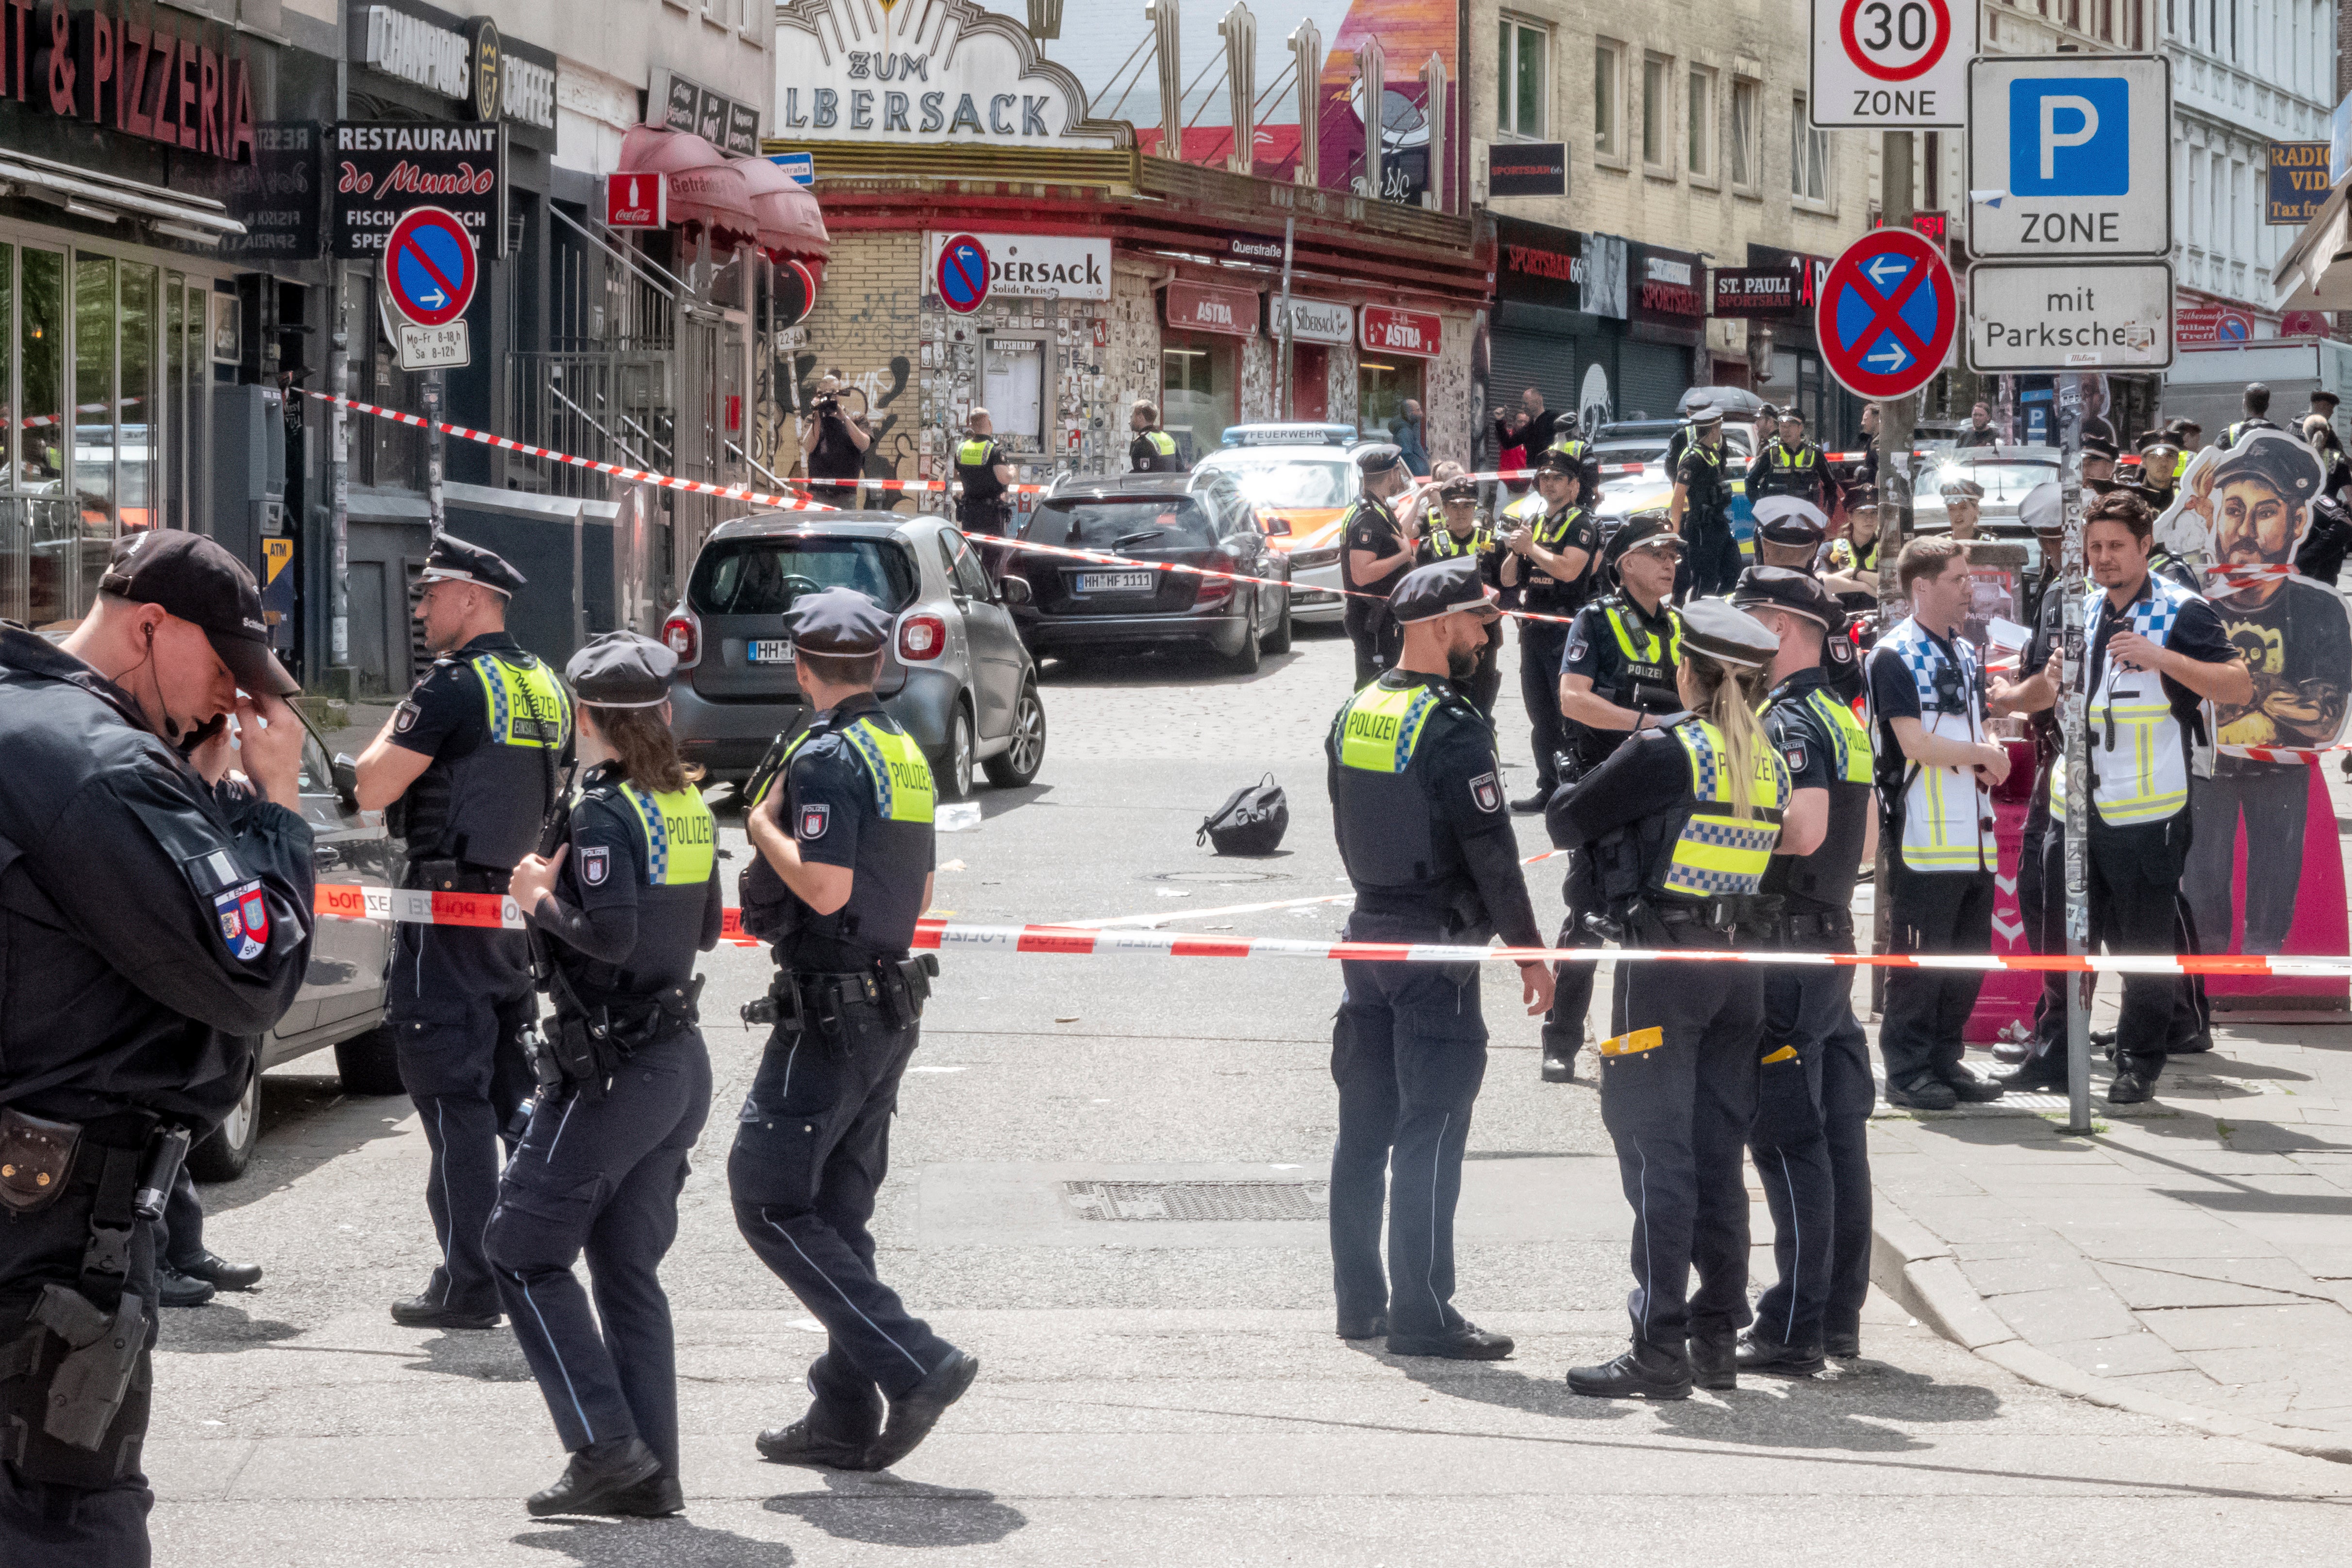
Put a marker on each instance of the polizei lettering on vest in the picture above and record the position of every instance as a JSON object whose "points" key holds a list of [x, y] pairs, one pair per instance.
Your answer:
{"points": [[1371, 726]]}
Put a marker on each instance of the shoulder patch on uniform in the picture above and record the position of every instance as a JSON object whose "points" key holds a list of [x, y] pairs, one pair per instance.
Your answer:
{"points": [[243, 915], [1796, 758], [814, 820], [1485, 793], [1575, 645], [595, 864], [403, 718], [1841, 651]]}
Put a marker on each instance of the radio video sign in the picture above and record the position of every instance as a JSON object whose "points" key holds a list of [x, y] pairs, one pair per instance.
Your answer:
{"points": [[377, 172], [2298, 183]]}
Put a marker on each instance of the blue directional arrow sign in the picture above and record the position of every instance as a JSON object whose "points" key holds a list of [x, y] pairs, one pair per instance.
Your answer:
{"points": [[1887, 314]]}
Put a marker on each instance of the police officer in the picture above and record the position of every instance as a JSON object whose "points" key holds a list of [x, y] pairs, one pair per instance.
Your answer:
{"points": [[1570, 443], [2152, 652], [1459, 532], [1933, 765], [1681, 823], [1617, 680], [118, 817], [986, 474], [1853, 559], [1153, 450], [1790, 533], [1701, 509], [842, 821], [471, 766], [1553, 545], [1417, 805], [1790, 465], [1814, 1095], [1373, 552], [1964, 505], [2159, 468], [621, 906], [2256, 402]]}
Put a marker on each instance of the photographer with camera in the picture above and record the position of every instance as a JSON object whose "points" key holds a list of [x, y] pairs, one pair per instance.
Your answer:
{"points": [[833, 442]]}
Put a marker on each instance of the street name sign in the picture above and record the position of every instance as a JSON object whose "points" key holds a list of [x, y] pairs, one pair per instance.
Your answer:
{"points": [[2112, 315], [1887, 314], [1891, 64], [2070, 156], [429, 266]]}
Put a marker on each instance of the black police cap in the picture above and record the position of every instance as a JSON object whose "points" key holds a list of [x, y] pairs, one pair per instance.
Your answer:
{"points": [[453, 560], [1643, 533], [2277, 461], [2099, 446], [1441, 588], [2324, 395], [838, 621], [1377, 459], [1786, 588], [195, 579], [1558, 462], [1458, 491], [621, 670]]}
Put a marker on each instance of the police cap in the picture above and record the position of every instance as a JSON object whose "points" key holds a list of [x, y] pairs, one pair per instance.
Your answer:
{"points": [[1644, 533], [1790, 519], [1558, 462], [2099, 446], [840, 622], [452, 560], [1861, 498], [1443, 588], [1459, 489], [1785, 588], [1378, 458], [1727, 636], [621, 670], [2044, 507], [1961, 489], [1793, 413], [1702, 414], [2286, 465], [2324, 395], [195, 579]]}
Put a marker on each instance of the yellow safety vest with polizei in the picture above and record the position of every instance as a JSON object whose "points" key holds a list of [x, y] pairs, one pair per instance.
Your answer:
{"points": [[901, 774], [2138, 756], [528, 705], [1850, 740], [972, 454], [1647, 678], [1719, 853], [1378, 728], [682, 840], [1442, 543], [1161, 442]]}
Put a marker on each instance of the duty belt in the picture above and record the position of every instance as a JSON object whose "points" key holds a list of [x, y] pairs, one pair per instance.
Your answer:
{"points": [[455, 876], [1812, 925], [800, 1002]]}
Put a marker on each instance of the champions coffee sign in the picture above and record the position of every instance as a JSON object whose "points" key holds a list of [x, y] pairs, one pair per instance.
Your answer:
{"points": [[141, 77], [377, 172]]}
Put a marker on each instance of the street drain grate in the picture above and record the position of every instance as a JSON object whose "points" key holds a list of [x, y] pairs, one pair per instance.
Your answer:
{"points": [[1199, 1200]]}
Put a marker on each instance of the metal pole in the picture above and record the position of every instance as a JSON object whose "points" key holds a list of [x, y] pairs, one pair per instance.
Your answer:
{"points": [[1896, 420], [1284, 397], [435, 450], [338, 476], [2073, 724]]}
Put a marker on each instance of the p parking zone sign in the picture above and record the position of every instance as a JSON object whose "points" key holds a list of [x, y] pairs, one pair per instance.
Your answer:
{"points": [[1891, 64], [2070, 157]]}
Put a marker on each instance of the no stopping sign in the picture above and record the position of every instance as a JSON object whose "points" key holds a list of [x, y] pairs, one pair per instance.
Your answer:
{"points": [[1891, 64]]}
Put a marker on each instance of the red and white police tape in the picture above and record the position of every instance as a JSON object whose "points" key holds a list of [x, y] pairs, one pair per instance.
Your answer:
{"points": [[494, 912]]}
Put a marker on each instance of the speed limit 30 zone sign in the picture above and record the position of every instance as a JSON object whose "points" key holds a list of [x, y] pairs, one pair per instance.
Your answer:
{"points": [[1892, 65]]}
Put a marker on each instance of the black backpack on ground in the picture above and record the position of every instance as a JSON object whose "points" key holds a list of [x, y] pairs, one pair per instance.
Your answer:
{"points": [[1251, 821]]}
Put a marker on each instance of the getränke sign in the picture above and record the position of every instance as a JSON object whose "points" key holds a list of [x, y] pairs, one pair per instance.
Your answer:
{"points": [[139, 74], [954, 73]]}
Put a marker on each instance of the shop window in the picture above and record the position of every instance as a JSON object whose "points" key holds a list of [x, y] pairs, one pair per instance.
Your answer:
{"points": [[1196, 394], [1522, 49], [7, 382], [1699, 155], [1746, 151], [1609, 101], [42, 340], [1808, 155], [137, 428], [1013, 390], [93, 393], [1381, 388], [1658, 107]]}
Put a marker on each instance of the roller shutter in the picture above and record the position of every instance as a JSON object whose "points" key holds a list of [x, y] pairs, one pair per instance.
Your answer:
{"points": [[1651, 379], [1523, 359]]}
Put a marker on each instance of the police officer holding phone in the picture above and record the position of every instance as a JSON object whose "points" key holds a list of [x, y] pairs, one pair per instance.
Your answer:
{"points": [[119, 815], [471, 766], [841, 818]]}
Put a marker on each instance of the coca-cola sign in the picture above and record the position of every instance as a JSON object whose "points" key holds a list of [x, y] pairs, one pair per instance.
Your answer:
{"points": [[1212, 307], [376, 172], [1386, 328]]}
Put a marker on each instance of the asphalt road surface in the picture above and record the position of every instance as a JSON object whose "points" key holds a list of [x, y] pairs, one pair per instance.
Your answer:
{"points": [[1160, 1390]]}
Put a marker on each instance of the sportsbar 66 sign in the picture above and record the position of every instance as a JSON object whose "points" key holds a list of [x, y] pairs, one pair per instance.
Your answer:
{"points": [[136, 75]]}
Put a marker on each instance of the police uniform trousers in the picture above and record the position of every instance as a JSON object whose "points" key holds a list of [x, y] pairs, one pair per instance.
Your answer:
{"points": [[1408, 1053], [1571, 997], [2274, 801], [1377, 637], [812, 1146], [1920, 1033], [1811, 1144], [1710, 561], [459, 1001], [63, 1507], [602, 1177], [992, 520], [1543, 645], [1678, 1097], [181, 1243]]}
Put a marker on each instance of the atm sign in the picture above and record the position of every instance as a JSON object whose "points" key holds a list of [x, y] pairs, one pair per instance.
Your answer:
{"points": [[1384, 329]]}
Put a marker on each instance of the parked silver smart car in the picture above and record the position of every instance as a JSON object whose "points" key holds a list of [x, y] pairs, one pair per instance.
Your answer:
{"points": [[956, 676]]}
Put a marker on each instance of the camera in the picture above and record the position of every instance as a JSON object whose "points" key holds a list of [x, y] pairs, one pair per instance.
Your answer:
{"points": [[827, 404], [1950, 695]]}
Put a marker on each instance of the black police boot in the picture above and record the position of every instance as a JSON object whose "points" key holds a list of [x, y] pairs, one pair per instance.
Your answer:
{"points": [[1465, 1340], [2135, 1083], [1558, 1069], [1644, 1372], [599, 1476], [1375, 1327], [1715, 1361], [802, 1444], [1843, 1344], [2036, 1075], [1761, 1353], [173, 1288], [1925, 1093], [658, 1497], [222, 1272], [424, 1312], [912, 1418], [1967, 1085]]}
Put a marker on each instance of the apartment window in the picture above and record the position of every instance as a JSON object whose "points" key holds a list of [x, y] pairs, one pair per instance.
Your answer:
{"points": [[1699, 156], [1657, 103], [1609, 101], [1746, 153], [1809, 156], [1520, 58]]}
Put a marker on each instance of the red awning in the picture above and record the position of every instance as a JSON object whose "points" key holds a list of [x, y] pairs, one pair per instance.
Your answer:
{"points": [[791, 225], [705, 189]]}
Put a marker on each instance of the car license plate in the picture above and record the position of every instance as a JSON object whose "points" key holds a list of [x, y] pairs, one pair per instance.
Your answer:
{"points": [[775, 650], [1114, 582]]}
